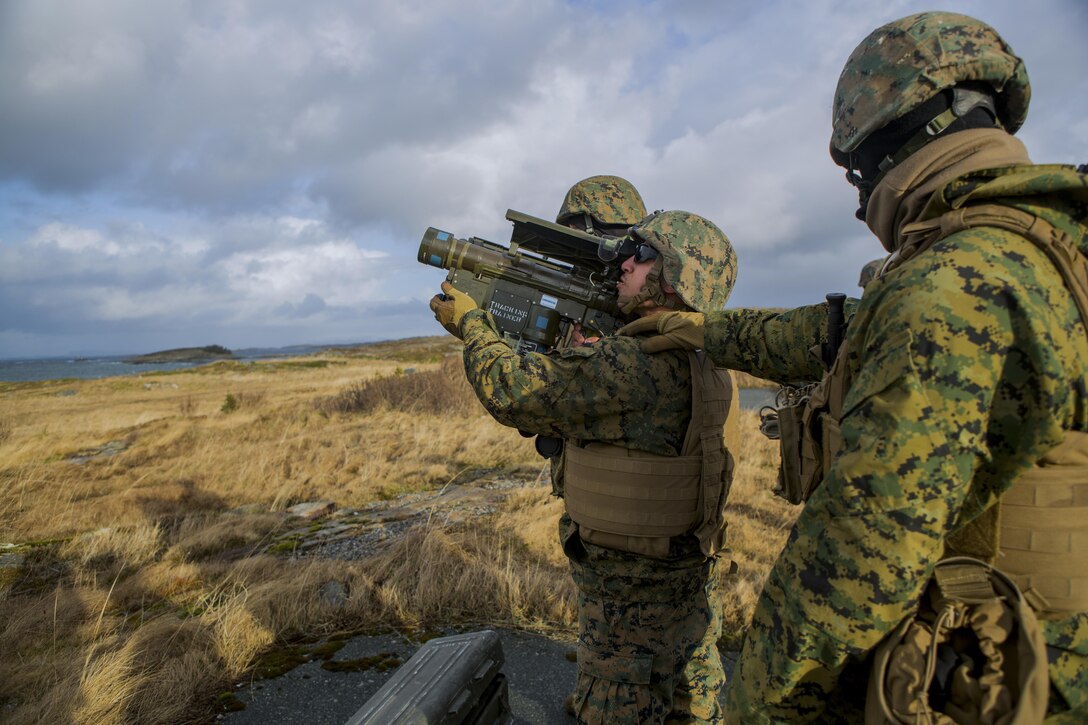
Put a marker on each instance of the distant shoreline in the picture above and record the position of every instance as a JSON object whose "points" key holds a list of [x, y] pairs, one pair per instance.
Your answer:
{"points": [[208, 353], [59, 368]]}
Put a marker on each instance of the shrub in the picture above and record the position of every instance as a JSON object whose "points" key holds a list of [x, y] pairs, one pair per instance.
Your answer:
{"points": [[445, 390], [234, 401]]}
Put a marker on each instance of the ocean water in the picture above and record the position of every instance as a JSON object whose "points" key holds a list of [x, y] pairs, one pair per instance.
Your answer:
{"points": [[14, 371], [756, 398], [59, 368]]}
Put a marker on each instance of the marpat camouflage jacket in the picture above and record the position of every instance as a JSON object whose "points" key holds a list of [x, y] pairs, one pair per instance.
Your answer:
{"points": [[608, 391], [968, 363]]}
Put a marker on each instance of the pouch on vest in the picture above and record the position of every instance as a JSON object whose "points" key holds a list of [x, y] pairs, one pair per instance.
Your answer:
{"points": [[807, 422], [784, 422], [973, 653]]}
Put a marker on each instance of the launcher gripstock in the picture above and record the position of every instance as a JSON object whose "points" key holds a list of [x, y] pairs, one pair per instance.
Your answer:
{"points": [[548, 279]]}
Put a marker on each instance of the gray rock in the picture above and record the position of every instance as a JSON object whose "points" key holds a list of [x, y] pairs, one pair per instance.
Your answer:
{"points": [[331, 530], [333, 594], [103, 451], [312, 510]]}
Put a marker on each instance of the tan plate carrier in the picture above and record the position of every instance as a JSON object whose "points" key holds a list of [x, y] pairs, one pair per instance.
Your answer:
{"points": [[636, 501]]}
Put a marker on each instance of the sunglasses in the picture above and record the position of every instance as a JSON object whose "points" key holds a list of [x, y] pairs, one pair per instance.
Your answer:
{"points": [[644, 253]]}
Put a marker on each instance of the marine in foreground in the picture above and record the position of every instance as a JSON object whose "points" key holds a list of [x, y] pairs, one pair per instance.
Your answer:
{"points": [[955, 418]]}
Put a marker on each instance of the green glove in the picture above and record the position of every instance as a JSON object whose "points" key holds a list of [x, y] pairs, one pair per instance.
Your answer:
{"points": [[450, 306], [675, 331]]}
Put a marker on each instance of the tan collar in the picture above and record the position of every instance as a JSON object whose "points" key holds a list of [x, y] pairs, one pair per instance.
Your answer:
{"points": [[902, 194]]}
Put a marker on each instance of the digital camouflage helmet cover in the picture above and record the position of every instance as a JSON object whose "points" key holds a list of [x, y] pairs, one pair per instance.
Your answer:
{"points": [[602, 202], [903, 64], [870, 271], [698, 260]]}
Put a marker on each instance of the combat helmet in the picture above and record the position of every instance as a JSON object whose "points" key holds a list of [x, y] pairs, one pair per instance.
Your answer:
{"points": [[602, 204], [907, 62], [871, 271], [698, 260]]}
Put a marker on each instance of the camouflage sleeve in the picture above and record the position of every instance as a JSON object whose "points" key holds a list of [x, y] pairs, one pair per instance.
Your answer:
{"points": [[922, 423], [770, 343], [608, 391]]}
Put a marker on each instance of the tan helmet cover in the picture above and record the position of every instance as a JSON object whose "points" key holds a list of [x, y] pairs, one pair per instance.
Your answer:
{"points": [[699, 261], [903, 64], [607, 200]]}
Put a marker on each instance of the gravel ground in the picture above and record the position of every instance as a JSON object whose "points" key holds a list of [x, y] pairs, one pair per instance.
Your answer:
{"points": [[539, 669], [359, 533]]}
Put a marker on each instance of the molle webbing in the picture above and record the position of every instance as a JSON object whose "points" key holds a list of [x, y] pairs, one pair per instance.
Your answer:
{"points": [[1043, 529], [621, 491], [633, 495]]}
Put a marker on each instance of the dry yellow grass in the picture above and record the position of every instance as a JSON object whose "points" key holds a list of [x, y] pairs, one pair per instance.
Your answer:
{"points": [[745, 380], [143, 595]]}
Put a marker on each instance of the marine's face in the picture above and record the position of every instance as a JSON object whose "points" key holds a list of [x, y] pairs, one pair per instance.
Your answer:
{"points": [[633, 277]]}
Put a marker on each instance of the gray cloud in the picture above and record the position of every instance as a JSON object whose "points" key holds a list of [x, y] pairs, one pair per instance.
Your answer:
{"points": [[261, 173], [308, 307]]}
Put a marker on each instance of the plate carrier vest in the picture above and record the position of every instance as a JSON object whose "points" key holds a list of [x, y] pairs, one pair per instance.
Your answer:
{"points": [[636, 501]]}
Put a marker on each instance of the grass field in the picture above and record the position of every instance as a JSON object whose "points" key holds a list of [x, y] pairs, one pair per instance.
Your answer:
{"points": [[138, 517]]}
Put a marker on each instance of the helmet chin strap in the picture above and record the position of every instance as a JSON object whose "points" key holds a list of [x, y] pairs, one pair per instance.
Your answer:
{"points": [[651, 290], [964, 100], [588, 222]]}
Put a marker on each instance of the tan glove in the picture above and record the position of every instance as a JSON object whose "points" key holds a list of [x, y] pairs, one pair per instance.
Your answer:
{"points": [[450, 306], [675, 331]]}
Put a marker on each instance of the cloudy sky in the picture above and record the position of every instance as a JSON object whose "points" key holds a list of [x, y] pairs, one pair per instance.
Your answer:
{"points": [[260, 172]]}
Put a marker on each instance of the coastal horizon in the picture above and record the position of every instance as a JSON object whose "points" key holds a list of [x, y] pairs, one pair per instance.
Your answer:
{"points": [[86, 366]]}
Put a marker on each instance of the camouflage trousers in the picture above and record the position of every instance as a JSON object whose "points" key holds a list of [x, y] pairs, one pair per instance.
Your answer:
{"points": [[648, 634]]}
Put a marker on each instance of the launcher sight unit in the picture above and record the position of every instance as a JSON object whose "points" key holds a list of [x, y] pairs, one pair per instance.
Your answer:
{"points": [[549, 278]]}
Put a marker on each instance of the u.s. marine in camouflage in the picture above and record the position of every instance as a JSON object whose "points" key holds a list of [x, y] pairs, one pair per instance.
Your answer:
{"points": [[600, 205], [965, 364], [649, 621], [949, 403]]}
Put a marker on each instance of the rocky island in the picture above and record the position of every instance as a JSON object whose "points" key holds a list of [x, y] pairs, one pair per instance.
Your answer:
{"points": [[184, 354]]}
